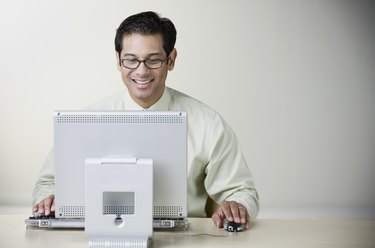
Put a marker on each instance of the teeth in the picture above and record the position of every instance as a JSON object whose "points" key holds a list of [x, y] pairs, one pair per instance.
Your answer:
{"points": [[142, 81]]}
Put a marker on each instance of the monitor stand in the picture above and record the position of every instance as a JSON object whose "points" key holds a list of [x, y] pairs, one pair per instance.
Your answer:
{"points": [[119, 201]]}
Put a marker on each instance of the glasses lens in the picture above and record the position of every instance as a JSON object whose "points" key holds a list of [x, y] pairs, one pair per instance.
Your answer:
{"points": [[130, 63], [153, 63]]}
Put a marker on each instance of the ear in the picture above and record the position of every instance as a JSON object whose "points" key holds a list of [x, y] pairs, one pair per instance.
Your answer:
{"points": [[172, 59], [118, 61]]}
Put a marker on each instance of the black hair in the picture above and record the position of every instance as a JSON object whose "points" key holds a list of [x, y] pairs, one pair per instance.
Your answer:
{"points": [[147, 23]]}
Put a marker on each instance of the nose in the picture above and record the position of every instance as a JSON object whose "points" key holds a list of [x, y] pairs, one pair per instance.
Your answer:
{"points": [[142, 69]]}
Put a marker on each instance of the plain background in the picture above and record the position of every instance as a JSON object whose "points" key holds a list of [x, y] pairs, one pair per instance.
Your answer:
{"points": [[295, 79]]}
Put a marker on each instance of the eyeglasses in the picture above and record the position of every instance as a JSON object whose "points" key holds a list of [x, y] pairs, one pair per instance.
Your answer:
{"points": [[149, 63]]}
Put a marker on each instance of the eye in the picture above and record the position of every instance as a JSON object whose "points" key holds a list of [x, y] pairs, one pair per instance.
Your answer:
{"points": [[130, 61], [153, 61]]}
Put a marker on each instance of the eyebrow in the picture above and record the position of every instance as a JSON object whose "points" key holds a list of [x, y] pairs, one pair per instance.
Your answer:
{"points": [[148, 55]]}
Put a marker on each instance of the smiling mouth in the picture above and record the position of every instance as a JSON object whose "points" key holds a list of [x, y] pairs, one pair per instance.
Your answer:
{"points": [[142, 82]]}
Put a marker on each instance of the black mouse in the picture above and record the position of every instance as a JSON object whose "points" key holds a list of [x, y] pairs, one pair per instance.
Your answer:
{"points": [[232, 226]]}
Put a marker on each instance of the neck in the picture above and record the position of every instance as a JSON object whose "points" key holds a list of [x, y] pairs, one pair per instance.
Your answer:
{"points": [[147, 103]]}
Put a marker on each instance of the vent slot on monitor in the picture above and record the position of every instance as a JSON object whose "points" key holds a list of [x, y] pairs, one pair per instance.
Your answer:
{"points": [[127, 118], [168, 211], [119, 210], [119, 203], [72, 211]]}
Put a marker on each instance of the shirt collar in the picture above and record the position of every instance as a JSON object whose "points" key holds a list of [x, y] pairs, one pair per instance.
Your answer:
{"points": [[161, 105]]}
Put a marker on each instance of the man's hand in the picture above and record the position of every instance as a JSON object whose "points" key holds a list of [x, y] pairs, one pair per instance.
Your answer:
{"points": [[46, 206], [232, 211]]}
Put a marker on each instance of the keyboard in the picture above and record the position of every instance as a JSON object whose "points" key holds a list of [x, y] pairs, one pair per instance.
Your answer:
{"points": [[79, 223]]}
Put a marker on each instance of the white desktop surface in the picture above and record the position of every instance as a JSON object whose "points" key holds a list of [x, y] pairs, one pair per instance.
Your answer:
{"points": [[202, 233]]}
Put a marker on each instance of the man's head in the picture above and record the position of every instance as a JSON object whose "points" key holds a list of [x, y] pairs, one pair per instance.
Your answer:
{"points": [[145, 53], [147, 23]]}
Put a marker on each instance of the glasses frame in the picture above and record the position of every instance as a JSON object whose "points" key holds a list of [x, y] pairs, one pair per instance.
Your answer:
{"points": [[144, 63]]}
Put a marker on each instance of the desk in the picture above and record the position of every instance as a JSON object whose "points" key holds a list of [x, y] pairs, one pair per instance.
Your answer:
{"points": [[263, 233]]}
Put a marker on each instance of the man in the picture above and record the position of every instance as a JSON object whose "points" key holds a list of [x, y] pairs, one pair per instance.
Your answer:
{"points": [[145, 53]]}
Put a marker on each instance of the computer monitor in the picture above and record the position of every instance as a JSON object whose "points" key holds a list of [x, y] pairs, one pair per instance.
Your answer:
{"points": [[159, 135]]}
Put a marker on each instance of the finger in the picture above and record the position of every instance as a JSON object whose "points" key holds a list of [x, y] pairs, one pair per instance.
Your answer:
{"points": [[245, 218], [53, 205], [235, 211], [41, 207], [47, 205], [227, 211], [247, 224], [218, 218], [243, 213]]}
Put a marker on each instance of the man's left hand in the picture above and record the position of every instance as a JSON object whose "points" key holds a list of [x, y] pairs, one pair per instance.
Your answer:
{"points": [[233, 212]]}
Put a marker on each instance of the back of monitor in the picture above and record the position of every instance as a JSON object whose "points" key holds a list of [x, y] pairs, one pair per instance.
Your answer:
{"points": [[161, 136]]}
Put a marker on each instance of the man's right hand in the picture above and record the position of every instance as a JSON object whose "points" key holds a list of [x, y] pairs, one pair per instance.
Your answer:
{"points": [[46, 206]]}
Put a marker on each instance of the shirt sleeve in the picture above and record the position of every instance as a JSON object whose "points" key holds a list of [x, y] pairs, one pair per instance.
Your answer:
{"points": [[228, 177], [45, 185]]}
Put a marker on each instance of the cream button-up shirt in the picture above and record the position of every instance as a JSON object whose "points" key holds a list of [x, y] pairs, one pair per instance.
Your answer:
{"points": [[216, 166]]}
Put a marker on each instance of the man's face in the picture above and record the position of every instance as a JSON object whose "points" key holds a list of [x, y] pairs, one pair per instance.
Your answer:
{"points": [[145, 85]]}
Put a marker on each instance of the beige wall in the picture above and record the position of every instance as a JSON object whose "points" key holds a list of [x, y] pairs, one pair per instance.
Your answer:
{"points": [[295, 79]]}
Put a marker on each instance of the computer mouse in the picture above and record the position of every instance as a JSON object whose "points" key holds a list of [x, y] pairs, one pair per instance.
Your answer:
{"points": [[232, 226]]}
